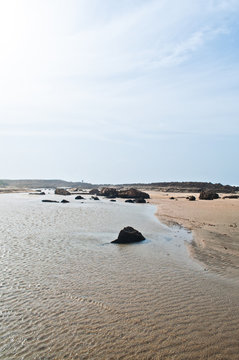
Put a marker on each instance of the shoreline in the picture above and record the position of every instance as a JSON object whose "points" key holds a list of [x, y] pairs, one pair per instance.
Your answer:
{"points": [[214, 225]]}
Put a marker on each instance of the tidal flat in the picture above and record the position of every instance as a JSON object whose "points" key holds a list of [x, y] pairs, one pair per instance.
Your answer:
{"points": [[67, 293]]}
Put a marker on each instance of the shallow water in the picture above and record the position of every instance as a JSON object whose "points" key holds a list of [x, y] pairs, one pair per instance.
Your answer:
{"points": [[67, 293]]}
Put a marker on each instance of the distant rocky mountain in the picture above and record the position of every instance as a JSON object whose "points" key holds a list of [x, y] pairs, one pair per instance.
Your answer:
{"points": [[36, 183]]}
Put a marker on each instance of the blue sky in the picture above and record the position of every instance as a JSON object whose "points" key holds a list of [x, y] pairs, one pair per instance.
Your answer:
{"points": [[119, 91]]}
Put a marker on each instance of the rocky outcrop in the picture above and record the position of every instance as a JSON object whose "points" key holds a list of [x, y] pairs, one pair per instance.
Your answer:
{"points": [[133, 193], [109, 192], [208, 195], [60, 191], [79, 197], [128, 235], [94, 192]]}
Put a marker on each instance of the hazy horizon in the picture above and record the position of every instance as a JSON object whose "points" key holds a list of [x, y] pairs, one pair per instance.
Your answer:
{"points": [[119, 92]]}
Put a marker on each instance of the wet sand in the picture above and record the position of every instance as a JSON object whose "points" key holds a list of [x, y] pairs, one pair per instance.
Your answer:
{"points": [[67, 293], [214, 224]]}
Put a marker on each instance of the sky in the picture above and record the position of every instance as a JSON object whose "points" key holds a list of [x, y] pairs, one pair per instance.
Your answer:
{"points": [[110, 91]]}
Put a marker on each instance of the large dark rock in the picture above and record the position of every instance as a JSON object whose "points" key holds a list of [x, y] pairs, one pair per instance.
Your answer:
{"points": [[140, 201], [62, 192], [50, 201], [133, 193], [129, 235], [94, 192], [79, 197], [109, 192], [208, 195]]}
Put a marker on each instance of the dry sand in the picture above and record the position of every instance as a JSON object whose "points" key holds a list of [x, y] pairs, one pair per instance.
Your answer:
{"points": [[215, 226]]}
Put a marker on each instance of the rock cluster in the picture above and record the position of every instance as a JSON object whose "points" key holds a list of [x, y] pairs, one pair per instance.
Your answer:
{"points": [[124, 194], [133, 193]]}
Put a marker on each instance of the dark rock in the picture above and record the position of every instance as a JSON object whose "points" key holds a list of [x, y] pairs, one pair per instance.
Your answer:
{"points": [[133, 193], [62, 192], [50, 201], [191, 198], [64, 201], [109, 192], [140, 201], [37, 193], [94, 198], [129, 235], [113, 200], [129, 201], [231, 197], [171, 198], [79, 197], [94, 192], [208, 195]]}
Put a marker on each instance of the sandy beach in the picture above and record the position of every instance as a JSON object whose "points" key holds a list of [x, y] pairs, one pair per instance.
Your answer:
{"points": [[214, 224], [68, 293]]}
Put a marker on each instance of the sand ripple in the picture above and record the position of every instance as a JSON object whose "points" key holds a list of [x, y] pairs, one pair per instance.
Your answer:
{"points": [[67, 295]]}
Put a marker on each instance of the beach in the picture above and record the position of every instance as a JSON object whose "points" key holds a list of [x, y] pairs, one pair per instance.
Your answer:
{"points": [[214, 224], [68, 293]]}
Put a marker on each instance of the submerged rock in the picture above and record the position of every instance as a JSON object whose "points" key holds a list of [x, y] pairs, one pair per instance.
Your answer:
{"points": [[208, 195], [79, 197], [129, 201], [62, 192], [94, 198], [50, 201], [128, 235], [64, 201]]}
